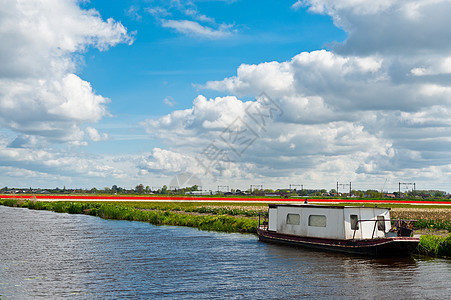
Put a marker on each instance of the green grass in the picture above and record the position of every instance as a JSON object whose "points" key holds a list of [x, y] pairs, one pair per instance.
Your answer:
{"points": [[433, 245], [116, 211], [433, 224]]}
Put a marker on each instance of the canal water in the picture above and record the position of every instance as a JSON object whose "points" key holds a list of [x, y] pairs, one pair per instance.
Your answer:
{"points": [[52, 256]]}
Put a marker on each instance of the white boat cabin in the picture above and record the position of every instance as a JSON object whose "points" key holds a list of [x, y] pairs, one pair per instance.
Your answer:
{"points": [[332, 222]]}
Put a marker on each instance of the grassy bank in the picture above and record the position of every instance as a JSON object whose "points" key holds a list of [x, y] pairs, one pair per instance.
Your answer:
{"points": [[432, 245], [212, 217], [218, 222]]}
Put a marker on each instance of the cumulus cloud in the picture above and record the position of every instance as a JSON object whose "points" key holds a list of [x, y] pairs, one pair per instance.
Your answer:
{"points": [[207, 114], [95, 136], [39, 93], [50, 163], [166, 161], [388, 26], [274, 148], [373, 108]]}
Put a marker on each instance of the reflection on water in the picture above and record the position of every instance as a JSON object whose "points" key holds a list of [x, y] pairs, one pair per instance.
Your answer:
{"points": [[49, 255]]}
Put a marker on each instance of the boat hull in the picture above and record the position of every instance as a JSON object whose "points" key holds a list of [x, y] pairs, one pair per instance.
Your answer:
{"points": [[380, 247]]}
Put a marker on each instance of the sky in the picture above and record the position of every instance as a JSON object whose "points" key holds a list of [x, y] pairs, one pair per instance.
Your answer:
{"points": [[225, 93]]}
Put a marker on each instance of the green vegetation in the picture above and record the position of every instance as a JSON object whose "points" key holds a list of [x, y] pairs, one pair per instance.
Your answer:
{"points": [[214, 208], [433, 245], [158, 217], [433, 224]]}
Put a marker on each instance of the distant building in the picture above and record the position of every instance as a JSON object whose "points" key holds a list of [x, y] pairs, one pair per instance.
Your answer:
{"points": [[200, 193]]}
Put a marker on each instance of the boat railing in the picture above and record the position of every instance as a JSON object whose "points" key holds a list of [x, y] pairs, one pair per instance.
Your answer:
{"points": [[401, 228], [262, 219]]}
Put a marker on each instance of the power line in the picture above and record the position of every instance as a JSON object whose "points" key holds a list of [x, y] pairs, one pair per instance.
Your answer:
{"points": [[294, 185], [255, 187], [343, 185]]}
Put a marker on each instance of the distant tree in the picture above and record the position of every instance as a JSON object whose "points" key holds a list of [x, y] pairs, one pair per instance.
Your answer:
{"points": [[117, 189], [358, 194], [147, 189], [437, 194], [332, 191], [302, 192], [139, 189], [164, 189], [373, 194]]}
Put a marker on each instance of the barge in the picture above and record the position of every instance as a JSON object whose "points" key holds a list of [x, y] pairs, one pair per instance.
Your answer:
{"points": [[347, 229]]}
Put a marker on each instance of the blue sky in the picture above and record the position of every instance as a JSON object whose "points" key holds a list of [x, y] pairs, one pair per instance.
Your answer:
{"points": [[165, 64], [96, 93]]}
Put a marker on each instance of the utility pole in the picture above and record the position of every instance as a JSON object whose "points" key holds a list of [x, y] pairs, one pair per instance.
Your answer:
{"points": [[294, 185], [343, 185], [406, 184]]}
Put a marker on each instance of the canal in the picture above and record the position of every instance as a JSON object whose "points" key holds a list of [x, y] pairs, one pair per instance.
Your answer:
{"points": [[49, 255]]}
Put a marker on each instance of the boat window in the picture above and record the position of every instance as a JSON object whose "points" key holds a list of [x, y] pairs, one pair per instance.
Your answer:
{"points": [[354, 222], [381, 223], [293, 219], [317, 221]]}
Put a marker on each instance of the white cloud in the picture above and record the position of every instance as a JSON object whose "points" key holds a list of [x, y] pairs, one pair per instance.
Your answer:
{"points": [[52, 163], [185, 18], [278, 148], [133, 12], [206, 114], [435, 66], [39, 93], [95, 136], [389, 26], [198, 16], [194, 28], [372, 109], [166, 161], [362, 7], [169, 101], [158, 11], [272, 77]]}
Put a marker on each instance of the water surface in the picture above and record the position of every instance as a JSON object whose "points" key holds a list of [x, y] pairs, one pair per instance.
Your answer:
{"points": [[50, 255]]}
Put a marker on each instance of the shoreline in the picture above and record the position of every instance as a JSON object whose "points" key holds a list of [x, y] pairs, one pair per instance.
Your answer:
{"points": [[433, 243]]}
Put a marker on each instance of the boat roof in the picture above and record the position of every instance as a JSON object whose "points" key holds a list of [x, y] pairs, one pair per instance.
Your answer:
{"points": [[275, 205]]}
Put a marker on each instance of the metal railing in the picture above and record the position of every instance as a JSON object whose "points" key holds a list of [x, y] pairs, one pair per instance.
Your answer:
{"points": [[402, 226]]}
